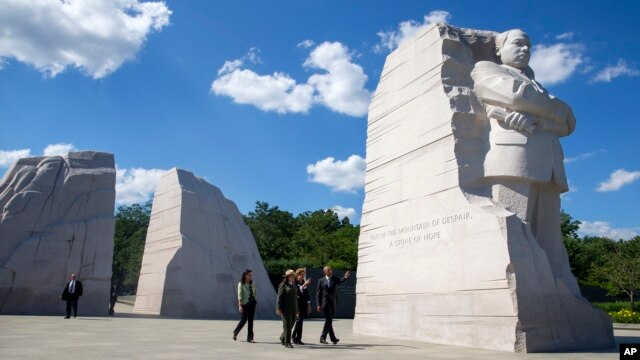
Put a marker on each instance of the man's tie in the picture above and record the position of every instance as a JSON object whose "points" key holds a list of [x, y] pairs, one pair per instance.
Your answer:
{"points": [[72, 287], [329, 283]]}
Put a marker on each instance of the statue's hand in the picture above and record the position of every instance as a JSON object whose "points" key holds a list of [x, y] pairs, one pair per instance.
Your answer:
{"points": [[521, 122]]}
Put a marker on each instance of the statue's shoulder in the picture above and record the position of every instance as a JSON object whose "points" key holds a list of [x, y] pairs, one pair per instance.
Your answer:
{"points": [[486, 69], [488, 66]]}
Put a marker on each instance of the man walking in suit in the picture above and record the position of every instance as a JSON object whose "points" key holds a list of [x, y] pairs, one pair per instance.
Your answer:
{"points": [[70, 294], [328, 300]]}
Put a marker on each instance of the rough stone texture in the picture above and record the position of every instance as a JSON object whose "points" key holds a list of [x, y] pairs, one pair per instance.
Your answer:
{"points": [[440, 260], [197, 247], [57, 218]]}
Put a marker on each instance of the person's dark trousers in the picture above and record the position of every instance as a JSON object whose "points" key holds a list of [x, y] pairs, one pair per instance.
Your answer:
{"points": [[297, 330], [248, 312], [72, 303], [328, 323], [287, 325], [112, 304]]}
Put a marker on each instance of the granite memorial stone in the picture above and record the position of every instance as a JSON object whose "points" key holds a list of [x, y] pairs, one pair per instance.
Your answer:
{"points": [[460, 234], [57, 219], [196, 249]]}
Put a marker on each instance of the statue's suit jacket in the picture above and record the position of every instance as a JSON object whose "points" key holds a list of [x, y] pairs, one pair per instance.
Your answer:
{"points": [[538, 156]]}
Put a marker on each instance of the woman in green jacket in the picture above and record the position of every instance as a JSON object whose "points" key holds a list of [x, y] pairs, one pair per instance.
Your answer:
{"points": [[287, 306], [246, 304]]}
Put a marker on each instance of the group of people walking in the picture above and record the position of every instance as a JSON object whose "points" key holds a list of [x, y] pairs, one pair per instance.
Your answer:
{"points": [[293, 304]]}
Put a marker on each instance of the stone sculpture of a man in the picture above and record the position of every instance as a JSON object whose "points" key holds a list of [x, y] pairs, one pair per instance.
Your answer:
{"points": [[525, 161]]}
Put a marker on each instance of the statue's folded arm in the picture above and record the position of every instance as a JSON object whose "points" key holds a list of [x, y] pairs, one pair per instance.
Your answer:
{"points": [[495, 86]]}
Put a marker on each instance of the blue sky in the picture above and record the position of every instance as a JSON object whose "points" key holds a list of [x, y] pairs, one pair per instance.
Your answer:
{"points": [[267, 99]]}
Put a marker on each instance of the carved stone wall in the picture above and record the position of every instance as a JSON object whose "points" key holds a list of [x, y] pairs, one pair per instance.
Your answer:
{"points": [[57, 218], [196, 249]]}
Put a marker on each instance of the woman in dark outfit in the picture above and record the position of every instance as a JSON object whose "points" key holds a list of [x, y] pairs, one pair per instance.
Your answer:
{"points": [[287, 306], [304, 305], [246, 304]]}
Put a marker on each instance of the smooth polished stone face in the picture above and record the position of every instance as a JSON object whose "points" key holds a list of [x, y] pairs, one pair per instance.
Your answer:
{"points": [[196, 250], [451, 248], [57, 219], [516, 50]]}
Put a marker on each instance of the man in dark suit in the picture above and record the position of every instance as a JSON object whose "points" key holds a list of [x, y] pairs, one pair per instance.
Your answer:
{"points": [[70, 294], [113, 298], [328, 300]]}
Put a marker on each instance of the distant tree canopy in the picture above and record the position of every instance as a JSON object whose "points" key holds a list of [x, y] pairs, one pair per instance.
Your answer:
{"points": [[131, 232], [312, 239], [599, 261]]}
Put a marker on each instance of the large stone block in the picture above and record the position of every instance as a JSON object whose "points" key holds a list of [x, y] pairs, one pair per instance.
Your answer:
{"points": [[196, 249], [57, 218], [443, 255]]}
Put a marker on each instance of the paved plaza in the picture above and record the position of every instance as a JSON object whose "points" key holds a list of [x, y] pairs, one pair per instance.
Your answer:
{"points": [[128, 336]]}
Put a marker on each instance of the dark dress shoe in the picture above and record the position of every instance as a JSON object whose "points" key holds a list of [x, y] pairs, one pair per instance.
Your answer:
{"points": [[289, 346], [250, 341], [323, 341], [335, 341], [66, 317], [300, 343], [235, 337]]}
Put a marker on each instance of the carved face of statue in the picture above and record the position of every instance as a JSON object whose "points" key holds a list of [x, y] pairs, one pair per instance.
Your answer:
{"points": [[516, 49]]}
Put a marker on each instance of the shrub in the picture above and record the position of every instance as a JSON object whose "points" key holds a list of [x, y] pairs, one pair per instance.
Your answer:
{"points": [[625, 316], [609, 307]]}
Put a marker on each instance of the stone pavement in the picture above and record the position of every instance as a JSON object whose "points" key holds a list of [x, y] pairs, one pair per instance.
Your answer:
{"points": [[128, 336]]}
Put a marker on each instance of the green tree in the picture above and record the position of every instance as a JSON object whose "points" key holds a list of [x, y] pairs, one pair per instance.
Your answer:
{"points": [[327, 240], [311, 239], [585, 255], [620, 272], [130, 235], [569, 226], [273, 231]]}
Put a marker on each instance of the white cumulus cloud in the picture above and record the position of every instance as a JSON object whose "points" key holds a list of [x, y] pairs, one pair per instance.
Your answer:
{"points": [[58, 149], [7, 158], [344, 212], [390, 40], [277, 92], [340, 87], [345, 176], [95, 36], [618, 179], [136, 185], [553, 64], [613, 71], [603, 228]]}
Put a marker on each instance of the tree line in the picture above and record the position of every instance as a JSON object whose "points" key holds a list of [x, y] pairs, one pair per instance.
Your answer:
{"points": [[599, 261], [318, 238], [310, 239]]}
